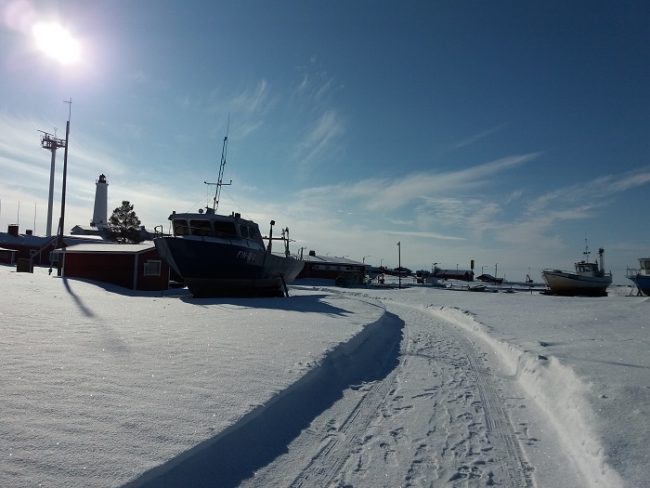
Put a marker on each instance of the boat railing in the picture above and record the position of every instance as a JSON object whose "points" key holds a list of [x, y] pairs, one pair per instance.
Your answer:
{"points": [[631, 272]]}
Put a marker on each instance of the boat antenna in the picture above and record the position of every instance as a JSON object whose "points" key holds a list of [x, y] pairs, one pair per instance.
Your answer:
{"points": [[586, 252], [222, 165]]}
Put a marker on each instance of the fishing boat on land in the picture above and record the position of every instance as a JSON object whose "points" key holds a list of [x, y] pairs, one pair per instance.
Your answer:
{"points": [[221, 255], [641, 277], [588, 279]]}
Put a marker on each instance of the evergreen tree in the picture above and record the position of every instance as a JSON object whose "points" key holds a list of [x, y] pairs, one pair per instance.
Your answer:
{"points": [[125, 224]]}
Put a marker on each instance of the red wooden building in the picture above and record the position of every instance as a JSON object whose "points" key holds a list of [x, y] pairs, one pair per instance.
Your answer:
{"points": [[134, 266], [342, 271]]}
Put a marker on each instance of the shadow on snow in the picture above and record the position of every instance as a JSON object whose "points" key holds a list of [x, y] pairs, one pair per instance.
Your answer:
{"points": [[265, 433], [294, 303]]}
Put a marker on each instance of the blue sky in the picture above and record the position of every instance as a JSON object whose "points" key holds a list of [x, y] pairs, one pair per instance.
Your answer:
{"points": [[504, 132]]}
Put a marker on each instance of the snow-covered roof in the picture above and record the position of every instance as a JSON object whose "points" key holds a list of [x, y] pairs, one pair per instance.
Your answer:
{"points": [[87, 228], [7, 239], [109, 247], [331, 260]]}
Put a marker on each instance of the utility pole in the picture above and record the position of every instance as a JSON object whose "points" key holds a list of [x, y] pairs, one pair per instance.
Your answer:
{"points": [[61, 244]]}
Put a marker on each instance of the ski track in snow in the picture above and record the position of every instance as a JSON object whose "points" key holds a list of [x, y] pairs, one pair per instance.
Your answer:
{"points": [[437, 418]]}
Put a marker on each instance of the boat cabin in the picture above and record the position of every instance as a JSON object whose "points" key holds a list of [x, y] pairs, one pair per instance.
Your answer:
{"points": [[644, 266], [213, 225], [587, 269]]}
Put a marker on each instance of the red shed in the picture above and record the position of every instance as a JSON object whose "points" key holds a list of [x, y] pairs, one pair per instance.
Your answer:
{"points": [[134, 266], [343, 271]]}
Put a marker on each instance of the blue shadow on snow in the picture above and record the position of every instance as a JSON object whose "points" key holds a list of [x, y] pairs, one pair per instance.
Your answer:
{"points": [[262, 435]]}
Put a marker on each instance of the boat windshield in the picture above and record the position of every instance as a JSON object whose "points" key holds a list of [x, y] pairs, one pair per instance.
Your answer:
{"points": [[586, 268], [224, 229], [200, 227], [180, 227], [215, 228]]}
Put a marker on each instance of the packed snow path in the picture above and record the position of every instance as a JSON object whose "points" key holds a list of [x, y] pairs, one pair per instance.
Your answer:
{"points": [[436, 419]]}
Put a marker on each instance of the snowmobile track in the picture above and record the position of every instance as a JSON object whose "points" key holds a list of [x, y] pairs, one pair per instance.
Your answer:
{"points": [[436, 419], [448, 427]]}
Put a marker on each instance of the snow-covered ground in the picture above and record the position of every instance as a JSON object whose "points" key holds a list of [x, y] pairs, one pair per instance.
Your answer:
{"points": [[103, 387]]}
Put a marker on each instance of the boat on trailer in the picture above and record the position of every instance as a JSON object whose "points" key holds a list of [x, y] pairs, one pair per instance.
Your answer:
{"points": [[589, 278], [225, 255], [641, 277]]}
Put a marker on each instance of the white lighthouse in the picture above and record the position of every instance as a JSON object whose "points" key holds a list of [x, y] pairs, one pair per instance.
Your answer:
{"points": [[101, 203]]}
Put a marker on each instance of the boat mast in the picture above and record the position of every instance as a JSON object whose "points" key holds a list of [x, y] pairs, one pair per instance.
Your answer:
{"points": [[586, 252], [220, 183]]}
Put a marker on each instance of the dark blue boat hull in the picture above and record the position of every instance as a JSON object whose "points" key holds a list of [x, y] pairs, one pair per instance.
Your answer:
{"points": [[218, 268], [642, 282]]}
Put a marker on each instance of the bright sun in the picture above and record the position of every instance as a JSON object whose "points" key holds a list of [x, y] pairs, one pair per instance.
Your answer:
{"points": [[56, 42]]}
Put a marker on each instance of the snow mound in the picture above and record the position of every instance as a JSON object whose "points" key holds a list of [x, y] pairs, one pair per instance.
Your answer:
{"points": [[559, 393]]}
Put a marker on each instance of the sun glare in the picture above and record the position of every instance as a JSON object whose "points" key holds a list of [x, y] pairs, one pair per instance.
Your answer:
{"points": [[56, 42]]}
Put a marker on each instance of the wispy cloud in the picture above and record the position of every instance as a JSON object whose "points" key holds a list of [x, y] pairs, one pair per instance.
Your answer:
{"points": [[595, 190], [476, 137], [249, 108], [462, 206], [385, 194], [424, 235], [314, 86], [319, 141], [469, 215], [252, 100], [537, 223]]}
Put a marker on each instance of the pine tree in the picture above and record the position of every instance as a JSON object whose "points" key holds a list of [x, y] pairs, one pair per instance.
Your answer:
{"points": [[125, 224]]}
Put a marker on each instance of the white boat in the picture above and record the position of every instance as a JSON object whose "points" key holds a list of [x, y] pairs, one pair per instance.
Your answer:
{"points": [[588, 279]]}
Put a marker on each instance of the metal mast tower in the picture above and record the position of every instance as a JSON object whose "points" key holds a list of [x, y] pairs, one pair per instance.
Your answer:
{"points": [[51, 143], [219, 183]]}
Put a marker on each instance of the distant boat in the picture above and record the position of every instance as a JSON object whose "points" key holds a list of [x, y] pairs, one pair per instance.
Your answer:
{"points": [[217, 255], [588, 278], [641, 277]]}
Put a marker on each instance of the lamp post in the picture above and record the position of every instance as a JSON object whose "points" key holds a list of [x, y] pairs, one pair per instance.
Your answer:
{"points": [[399, 265]]}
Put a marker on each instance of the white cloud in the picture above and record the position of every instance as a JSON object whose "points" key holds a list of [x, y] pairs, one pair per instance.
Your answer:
{"points": [[315, 85], [319, 141], [476, 137], [384, 194], [424, 235], [570, 203], [595, 190], [252, 100]]}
